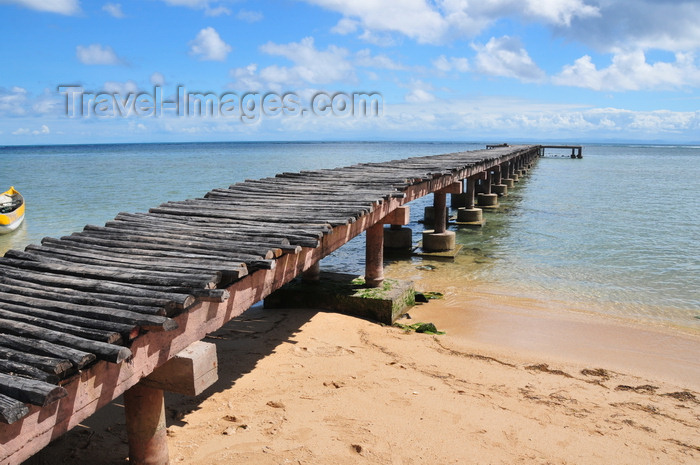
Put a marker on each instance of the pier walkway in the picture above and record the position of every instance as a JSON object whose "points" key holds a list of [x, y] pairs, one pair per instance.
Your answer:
{"points": [[85, 317]]}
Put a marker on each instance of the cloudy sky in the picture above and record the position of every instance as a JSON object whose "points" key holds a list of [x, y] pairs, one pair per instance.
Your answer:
{"points": [[500, 70]]}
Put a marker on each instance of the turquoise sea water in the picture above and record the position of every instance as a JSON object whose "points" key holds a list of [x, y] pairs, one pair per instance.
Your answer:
{"points": [[618, 229]]}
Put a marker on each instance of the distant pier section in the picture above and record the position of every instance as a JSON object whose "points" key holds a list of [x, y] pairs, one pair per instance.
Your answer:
{"points": [[576, 150]]}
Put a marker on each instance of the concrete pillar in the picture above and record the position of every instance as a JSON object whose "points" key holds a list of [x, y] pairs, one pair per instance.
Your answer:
{"points": [[469, 214], [374, 255], [397, 237], [439, 239], [313, 274], [145, 425], [508, 180], [440, 211]]}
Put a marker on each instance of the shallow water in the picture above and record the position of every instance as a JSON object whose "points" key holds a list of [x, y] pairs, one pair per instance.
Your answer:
{"points": [[616, 232]]}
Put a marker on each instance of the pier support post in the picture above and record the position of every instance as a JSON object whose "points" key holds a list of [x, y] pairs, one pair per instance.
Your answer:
{"points": [[440, 239], [498, 188], [374, 255], [459, 200], [469, 214], [397, 237], [313, 273], [145, 425], [488, 199]]}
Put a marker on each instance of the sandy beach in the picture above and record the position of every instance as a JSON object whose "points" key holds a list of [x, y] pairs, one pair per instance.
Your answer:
{"points": [[517, 382]]}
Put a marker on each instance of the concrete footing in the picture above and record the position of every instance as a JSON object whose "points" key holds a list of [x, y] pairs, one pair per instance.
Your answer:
{"points": [[508, 182], [346, 293], [398, 238], [438, 242], [470, 216], [499, 189], [487, 200]]}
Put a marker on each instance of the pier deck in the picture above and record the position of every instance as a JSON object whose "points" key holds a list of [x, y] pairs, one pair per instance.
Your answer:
{"points": [[85, 317]]}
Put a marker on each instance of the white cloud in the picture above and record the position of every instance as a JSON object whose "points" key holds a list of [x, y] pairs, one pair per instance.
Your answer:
{"points": [[64, 7], [365, 58], [157, 79], [420, 93], [560, 12], [437, 21], [211, 8], [249, 16], [114, 9], [216, 11], [413, 18], [444, 64], [310, 64], [44, 129], [648, 24], [246, 79], [506, 57], [209, 46], [630, 71], [96, 54], [345, 26]]}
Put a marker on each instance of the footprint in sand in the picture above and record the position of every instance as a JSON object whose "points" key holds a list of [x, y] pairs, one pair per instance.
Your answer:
{"points": [[322, 351]]}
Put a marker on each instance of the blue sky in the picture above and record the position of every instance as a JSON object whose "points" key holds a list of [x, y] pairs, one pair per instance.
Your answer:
{"points": [[500, 70]]}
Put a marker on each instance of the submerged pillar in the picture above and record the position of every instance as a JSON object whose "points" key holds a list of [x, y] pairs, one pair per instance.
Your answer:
{"points": [[374, 255], [488, 199], [145, 425], [396, 236], [439, 239], [469, 214]]}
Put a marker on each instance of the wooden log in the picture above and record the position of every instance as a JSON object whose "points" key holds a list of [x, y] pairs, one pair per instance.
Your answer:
{"points": [[25, 260], [103, 351], [10, 367], [11, 410], [72, 296], [111, 319], [235, 271], [143, 248], [110, 249], [209, 245], [211, 240], [52, 365], [90, 285], [78, 358], [31, 391], [111, 337], [254, 216]]}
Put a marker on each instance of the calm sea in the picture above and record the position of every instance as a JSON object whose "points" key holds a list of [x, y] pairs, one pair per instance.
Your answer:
{"points": [[618, 231]]}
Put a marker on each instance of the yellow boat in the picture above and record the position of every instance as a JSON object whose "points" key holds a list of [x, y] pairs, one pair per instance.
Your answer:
{"points": [[11, 210]]}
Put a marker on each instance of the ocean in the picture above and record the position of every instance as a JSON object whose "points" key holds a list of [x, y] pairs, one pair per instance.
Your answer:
{"points": [[616, 232]]}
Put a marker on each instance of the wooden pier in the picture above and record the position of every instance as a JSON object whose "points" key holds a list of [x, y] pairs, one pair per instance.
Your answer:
{"points": [[90, 316], [576, 150]]}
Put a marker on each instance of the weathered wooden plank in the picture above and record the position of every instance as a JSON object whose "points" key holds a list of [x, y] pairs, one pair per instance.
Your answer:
{"points": [[153, 237], [70, 295], [233, 271], [110, 319], [112, 337], [11, 367], [144, 248], [11, 410], [27, 261], [53, 365], [254, 216], [30, 391], [78, 358], [104, 351], [92, 285]]}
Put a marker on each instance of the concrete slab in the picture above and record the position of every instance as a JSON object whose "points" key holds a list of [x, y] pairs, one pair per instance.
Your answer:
{"points": [[346, 293]]}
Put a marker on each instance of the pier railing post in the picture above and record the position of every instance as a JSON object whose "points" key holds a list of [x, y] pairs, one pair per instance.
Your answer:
{"points": [[374, 255], [145, 425]]}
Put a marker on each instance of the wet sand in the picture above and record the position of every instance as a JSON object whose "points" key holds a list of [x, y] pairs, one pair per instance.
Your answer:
{"points": [[513, 381]]}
